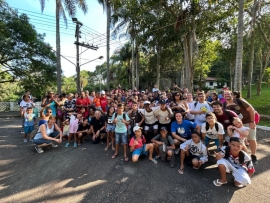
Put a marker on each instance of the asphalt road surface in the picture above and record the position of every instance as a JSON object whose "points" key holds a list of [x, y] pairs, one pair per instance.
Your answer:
{"points": [[89, 174]]}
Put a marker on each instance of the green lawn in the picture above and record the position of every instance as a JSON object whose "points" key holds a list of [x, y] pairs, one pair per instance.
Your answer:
{"points": [[260, 103]]}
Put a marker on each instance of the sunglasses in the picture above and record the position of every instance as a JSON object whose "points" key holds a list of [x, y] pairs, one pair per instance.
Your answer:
{"points": [[49, 112]]}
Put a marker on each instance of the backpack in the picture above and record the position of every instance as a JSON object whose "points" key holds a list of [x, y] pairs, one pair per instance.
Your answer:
{"points": [[124, 115], [195, 103], [207, 126], [257, 116], [241, 155]]}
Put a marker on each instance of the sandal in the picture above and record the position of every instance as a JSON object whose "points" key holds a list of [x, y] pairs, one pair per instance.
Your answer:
{"points": [[126, 159], [106, 149], [114, 156], [181, 171], [157, 157], [153, 160], [218, 183], [113, 148]]}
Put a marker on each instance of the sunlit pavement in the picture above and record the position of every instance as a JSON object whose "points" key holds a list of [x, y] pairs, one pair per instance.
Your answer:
{"points": [[88, 174]]}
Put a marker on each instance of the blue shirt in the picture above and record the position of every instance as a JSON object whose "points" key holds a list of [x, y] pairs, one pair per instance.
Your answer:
{"points": [[184, 129], [29, 119]]}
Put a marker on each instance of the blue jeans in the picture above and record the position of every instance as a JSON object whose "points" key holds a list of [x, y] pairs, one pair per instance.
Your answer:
{"points": [[207, 140], [43, 141], [122, 136]]}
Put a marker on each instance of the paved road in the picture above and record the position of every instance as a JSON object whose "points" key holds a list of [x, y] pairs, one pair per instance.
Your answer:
{"points": [[88, 174]]}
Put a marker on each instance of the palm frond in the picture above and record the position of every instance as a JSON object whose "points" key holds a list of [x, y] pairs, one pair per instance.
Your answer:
{"points": [[42, 4], [70, 7], [82, 5]]}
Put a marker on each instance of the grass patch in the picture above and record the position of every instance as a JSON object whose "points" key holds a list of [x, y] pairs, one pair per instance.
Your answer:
{"points": [[260, 103], [264, 122]]}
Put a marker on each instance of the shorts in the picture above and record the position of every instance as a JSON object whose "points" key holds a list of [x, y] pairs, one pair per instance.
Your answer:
{"points": [[122, 136], [110, 128], [43, 141], [140, 151], [188, 159], [28, 129], [153, 126], [252, 133], [207, 140]]}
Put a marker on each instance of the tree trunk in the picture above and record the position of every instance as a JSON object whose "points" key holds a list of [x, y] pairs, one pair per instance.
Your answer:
{"points": [[108, 43], [58, 49], [133, 66], [262, 71], [188, 63], [239, 49], [137, 67], [158, 65]]}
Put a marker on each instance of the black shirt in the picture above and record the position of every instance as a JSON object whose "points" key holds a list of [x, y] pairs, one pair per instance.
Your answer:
{"points": [[97, 124]]}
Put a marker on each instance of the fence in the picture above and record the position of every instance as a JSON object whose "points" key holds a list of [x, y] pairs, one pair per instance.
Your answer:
{"points": [[14, 106]]}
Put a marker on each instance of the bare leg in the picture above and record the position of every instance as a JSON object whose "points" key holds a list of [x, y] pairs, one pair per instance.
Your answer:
{"points": [[125, 150], [253, 146], [150, 148], [222, 171], [112, 140]]}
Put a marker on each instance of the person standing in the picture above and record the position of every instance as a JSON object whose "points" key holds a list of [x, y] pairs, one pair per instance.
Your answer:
{"points": [[247, 113]]}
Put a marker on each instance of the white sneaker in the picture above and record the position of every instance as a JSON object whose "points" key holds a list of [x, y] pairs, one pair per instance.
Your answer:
{"points": [[54, 145], [39, 150], [177, 151], [25, 140]]}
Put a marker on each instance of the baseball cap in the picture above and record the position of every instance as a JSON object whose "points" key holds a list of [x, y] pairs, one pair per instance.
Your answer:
{"points": [[143, 91], [102, 92], [136, 128], [163, 128], [147, 102], [162, 101]]}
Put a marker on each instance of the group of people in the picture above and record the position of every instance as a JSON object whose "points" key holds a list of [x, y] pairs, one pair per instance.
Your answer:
{"points": [[165, 123]]}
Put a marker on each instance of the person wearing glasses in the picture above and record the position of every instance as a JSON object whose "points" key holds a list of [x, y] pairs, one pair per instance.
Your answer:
{"points": [[179, 105], [51, 100]]}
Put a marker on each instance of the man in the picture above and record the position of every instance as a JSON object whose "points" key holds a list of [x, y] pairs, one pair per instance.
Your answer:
{"points": [[83, 102], [121, 120], [247, 114], [233, 159], [135, 116], [96, 101], [164, 115], [97, 126], [92, 96], [181, 130], [164, 145], [103, 101], [200, 108]]}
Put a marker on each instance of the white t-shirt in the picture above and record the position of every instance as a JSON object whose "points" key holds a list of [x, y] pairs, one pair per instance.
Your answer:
{"points": [[212, 133], [200, 118], [25, 105], [163, 115], [242, 129], [189, 115], [155, 89], [150, 117]]}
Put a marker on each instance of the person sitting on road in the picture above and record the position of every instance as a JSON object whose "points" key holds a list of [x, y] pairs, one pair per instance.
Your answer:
{"points": [[238, 130], [193, 151], [97, 126], [47, 133], [83, 130], [181, 130], [233, 159], [212, 130], [164, 145], [138, 146]]}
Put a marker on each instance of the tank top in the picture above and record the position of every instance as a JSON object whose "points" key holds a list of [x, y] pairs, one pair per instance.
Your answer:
{"points": [[48, 131]]}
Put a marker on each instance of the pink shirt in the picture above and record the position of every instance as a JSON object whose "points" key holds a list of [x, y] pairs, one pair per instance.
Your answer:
{"points": [[140, 141]]}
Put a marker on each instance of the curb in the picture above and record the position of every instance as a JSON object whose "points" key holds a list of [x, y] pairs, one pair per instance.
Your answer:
{"points": [[263, 128]]}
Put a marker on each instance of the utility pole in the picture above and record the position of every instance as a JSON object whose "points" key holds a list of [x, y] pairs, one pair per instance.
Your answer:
{"points": [[78, 36]]}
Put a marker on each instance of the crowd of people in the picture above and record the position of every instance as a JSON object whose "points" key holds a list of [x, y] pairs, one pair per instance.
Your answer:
{"points": [[152, 122]]}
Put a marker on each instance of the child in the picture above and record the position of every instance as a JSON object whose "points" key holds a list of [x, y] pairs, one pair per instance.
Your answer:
{"points": [[83, 130], [73, 127], [195, 150], [29, 122], [66, 124], [233, 159], [138, 146], [238, 130], [212, 130], [110, 127]]}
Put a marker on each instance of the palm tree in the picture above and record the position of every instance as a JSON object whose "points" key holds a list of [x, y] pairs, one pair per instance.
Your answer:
{"points": [[61, 6], [107, 6]]}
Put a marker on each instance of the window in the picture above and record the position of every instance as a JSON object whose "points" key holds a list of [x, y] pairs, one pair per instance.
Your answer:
{"points": [[211, 83]]}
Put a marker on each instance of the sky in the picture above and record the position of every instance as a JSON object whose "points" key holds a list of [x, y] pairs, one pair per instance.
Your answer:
{"points": [[93, 32]]}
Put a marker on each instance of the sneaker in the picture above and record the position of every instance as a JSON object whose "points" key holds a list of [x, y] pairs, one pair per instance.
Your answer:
{"points": [[22, 132], [25, 140], [75, 144], [254, 159], [176, 151], [101, 142], [39, 150], [54, 145], [67, 145]]}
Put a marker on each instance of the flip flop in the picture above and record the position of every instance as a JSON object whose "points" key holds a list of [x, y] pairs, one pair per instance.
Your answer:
{"points": [[126, 159], [181, 171], [157, 157], [106, 149], [217, 183], [153, 160], [114, 156]]}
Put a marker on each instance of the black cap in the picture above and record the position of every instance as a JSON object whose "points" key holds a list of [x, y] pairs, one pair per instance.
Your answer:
{"points": [[162, 101], [163, 128]]}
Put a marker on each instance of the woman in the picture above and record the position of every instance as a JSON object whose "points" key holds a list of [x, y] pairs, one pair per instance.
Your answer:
{"points": [[214, 97], [61, 109], [76, 96], [190, 103], [50, 99], [179, 105], [47, 133]]}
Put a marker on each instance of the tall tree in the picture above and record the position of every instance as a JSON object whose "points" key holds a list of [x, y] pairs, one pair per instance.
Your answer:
{"points": [[107, 7], [61, 6]]}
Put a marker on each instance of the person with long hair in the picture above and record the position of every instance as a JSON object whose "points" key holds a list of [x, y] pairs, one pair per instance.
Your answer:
{"points": [[110, 127], [179, 105]]}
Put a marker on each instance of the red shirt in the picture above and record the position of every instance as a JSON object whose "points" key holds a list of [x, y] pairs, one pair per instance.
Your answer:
{"points": [[103, 103], [85, 102], [140, 141]]}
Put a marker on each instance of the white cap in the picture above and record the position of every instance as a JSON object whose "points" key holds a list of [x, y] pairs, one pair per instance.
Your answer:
{"points": [[136, 128], [147, 102], [102, 92]]}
